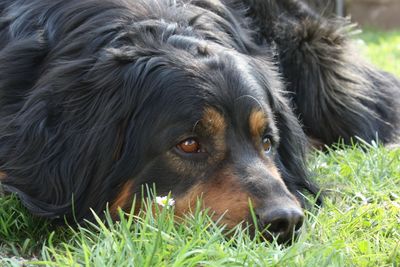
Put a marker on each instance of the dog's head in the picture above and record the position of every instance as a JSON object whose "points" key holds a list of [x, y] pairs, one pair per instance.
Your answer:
{"points": [[154, 103], [213, 124]]}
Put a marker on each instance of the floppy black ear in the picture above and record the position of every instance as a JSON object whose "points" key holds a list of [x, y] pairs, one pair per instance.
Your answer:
{"points": [[60, 150], [292, 150], [336, 93]]}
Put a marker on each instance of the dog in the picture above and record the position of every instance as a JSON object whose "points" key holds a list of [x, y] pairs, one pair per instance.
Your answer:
{"points": [[215, 100]]}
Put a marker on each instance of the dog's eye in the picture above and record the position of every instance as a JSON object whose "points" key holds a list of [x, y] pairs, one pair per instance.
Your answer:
{"points": [[189, 145], [267, 144]]}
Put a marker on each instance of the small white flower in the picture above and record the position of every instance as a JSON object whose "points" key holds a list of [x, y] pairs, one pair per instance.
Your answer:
{"points": [[165, 201]]}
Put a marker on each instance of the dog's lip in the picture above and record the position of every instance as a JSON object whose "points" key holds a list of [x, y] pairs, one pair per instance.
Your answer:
{"points": [[286, 238], [281, 238]]}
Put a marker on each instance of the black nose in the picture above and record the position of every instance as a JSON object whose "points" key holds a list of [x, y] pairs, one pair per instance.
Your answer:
{"points": [[280, 223]]}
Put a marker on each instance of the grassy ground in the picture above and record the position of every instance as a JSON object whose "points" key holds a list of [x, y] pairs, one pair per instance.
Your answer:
{"points": [[384, 49], [359, 224]]}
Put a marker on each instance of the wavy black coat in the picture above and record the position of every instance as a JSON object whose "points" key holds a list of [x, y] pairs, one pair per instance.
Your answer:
{"points": [[85, 84]]}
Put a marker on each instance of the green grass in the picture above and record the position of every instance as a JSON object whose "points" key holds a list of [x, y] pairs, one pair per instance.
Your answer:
{"points": [[384, 49], [359, 225]]}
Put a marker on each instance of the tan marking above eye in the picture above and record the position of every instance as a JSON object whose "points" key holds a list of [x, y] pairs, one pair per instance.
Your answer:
{"points": [[189, 145], [213, 121], [257, 123]]}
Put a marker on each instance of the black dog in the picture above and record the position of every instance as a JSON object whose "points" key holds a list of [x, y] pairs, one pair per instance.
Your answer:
{"points": [[202, 98]]}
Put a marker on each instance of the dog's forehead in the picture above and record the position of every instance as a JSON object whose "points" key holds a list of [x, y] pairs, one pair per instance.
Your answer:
{"points": [[222, 83], [241, 97]]}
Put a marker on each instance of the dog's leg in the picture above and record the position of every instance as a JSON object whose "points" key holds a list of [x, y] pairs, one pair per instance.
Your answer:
{"points": [[336, 93]]}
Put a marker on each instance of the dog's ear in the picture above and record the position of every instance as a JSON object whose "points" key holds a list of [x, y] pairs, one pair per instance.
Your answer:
{"points": [[292, 150], [64, 145]]}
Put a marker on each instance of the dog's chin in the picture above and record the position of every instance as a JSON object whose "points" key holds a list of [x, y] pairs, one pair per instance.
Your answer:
{"points": [[231, 228], [284, 239], [262, 235]]}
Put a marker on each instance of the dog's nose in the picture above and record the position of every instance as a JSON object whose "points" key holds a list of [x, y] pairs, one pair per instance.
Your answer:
{"points": [[280, 222]]}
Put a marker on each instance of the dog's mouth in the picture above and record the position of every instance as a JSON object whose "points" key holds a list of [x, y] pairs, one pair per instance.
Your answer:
{"points": [[275, 218], [279, 220], [279, 224], [279, 230]]}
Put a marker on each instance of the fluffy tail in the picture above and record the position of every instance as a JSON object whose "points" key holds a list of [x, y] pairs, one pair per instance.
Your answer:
{"points": [[335, 92]]}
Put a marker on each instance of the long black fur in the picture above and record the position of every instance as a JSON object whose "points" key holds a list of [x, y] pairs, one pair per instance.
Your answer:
{"points": [[74, 73], [335, 91]]}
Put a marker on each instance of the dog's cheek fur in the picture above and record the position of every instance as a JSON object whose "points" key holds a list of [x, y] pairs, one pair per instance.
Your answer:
{"points": [[223, 196]]}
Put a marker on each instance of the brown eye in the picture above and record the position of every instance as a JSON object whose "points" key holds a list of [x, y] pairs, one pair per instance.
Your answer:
{"points": [[267, 144], [189, 146]]}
